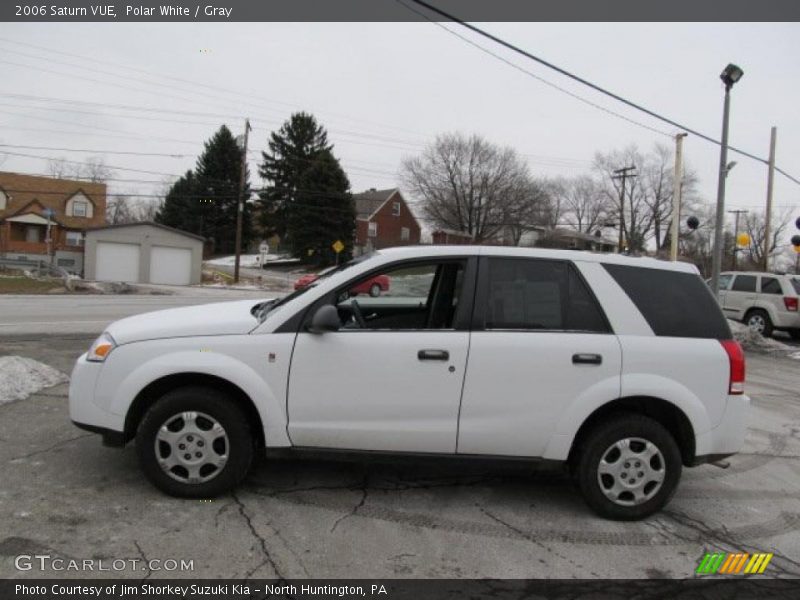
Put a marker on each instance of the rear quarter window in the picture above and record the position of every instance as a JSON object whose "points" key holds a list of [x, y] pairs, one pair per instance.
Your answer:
{"points": [[674, 304]]}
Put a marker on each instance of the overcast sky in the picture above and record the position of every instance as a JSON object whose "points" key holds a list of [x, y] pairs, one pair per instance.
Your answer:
{"points": [[383, 90]]}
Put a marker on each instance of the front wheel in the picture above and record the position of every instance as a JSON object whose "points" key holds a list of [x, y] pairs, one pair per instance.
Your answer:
{"points": [[194, 442], [375, 290], [628, 467]]}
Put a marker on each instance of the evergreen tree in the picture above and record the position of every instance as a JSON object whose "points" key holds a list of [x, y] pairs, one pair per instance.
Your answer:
{"points": [[178, 209], [205, 201], [291, 150], [324, 212]]}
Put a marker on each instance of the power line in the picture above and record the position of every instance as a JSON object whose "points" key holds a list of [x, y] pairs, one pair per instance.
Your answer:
{"points": [[583, 81], [124, 152], [294, 106]]}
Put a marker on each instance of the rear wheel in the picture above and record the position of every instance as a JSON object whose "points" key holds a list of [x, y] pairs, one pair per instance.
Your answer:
{"points": [[758, 320], [628, 467], [375, 290], [795, 333], [194, 442]]}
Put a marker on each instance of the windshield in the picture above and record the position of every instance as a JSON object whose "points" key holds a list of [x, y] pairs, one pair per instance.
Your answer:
{"points": [[260, 311]]}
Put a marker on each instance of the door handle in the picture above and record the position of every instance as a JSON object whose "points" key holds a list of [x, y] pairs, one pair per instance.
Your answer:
{"points": [[433, 355], [587, 359]]}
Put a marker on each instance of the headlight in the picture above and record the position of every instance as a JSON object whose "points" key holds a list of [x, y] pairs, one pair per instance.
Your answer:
{"points": [[101, 348]]}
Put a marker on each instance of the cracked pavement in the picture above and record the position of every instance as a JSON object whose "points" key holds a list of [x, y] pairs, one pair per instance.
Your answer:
{"points": [[62, 493]]}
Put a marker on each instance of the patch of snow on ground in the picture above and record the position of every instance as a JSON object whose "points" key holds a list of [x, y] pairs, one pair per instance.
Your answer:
{"points": [[20, 377], [245, 260], [755, 342]]}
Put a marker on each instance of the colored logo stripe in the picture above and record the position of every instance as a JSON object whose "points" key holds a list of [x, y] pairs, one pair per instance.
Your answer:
{"points": [[732, 563]]}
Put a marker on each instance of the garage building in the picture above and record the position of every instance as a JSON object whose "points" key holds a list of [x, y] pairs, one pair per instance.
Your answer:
{"points": [[144, 252]]}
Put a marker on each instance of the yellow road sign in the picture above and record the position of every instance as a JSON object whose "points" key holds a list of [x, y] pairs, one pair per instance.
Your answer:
{"points": [[337, 246]]}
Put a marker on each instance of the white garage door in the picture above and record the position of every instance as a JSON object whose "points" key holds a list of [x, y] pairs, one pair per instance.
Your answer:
{"points": [[117, 262], [170, 265]]}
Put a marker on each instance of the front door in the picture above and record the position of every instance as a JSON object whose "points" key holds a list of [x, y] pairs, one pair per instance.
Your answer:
{"points": [[391, 377]]}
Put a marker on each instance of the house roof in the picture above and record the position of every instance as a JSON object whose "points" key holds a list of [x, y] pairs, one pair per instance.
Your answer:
{"points": [[150, 224], [32, 193], [367, 203]]}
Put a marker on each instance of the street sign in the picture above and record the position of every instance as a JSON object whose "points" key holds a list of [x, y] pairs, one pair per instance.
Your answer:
{"points": [[337, 246], [49, 212], [263, 247]]}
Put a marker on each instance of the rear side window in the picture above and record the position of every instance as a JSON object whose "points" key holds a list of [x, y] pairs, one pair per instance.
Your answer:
{"points": [[796, 285], [540, 294], [770, 285], [674, 304], [744, 283]]}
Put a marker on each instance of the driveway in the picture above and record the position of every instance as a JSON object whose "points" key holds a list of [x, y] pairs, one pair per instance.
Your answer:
{"points": [[64, 494]]}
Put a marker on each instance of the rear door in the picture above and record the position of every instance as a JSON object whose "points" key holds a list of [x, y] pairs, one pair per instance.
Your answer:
{"points": [[741, 296], [540, 343]]}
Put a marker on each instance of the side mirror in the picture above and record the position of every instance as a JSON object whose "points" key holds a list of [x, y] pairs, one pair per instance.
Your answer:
{"points": [[325, 319]]}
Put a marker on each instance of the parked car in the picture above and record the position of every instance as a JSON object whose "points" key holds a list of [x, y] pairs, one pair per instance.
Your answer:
{"points": [[374, 286], [622, 369], [763, 301]]}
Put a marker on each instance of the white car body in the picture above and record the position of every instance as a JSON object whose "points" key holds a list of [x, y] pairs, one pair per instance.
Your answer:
{"points": [[500, 393]]}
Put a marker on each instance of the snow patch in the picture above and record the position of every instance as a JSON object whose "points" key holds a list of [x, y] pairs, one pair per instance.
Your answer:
{"points": [[755, 342], [20, 377]]}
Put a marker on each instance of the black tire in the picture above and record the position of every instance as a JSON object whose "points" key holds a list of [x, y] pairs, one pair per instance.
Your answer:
{"points": [[375, 290], [757, 312], [597, 444], [795, 334], [238, 447]]}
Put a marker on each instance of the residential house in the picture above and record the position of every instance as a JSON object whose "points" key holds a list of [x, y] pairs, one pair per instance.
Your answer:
{"points": [[33, 208], [384, 219]]}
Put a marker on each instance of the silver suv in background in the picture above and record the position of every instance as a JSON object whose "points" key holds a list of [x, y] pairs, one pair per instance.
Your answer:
{"points": [[763, 301]]}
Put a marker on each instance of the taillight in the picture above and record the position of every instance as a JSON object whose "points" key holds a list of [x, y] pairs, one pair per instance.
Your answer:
{"points": [[736, 359], [790, 302]]}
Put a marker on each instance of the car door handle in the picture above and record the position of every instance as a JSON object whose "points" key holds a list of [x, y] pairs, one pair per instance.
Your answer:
{"points": [[587, 359], [433, 355]]}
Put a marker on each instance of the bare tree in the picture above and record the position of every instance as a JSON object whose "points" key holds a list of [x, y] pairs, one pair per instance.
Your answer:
{"points": [[466, 184], [58, 168], [585, 205], [755, 226], [119, 210], [93, 169], [528, 209]]}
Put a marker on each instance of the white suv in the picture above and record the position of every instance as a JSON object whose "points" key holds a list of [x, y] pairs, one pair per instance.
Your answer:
{"points": [[622, 368], [763, 301]]}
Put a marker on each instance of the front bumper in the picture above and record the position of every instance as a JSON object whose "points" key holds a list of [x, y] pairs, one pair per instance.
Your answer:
{"points": [[83, 409]]}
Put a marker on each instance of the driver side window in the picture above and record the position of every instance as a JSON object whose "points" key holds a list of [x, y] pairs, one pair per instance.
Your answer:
{"points": [[408, 297]]}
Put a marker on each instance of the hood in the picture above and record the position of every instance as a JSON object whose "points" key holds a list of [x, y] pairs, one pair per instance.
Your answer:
{"points": [[220, 318]]}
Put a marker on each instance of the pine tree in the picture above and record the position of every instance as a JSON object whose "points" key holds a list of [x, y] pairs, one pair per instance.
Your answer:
{"points": [[178, 208], [205, 201], [323, 212], [291, 150]]}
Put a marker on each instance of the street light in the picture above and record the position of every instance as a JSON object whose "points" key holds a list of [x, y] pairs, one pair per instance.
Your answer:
{"points": [[729, 76]]}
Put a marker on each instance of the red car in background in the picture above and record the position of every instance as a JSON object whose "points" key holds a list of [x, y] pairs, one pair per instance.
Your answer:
{"points": [[373, 286]]}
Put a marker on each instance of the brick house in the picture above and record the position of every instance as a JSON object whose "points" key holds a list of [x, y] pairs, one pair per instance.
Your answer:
{"points": [[384, 219], [26, 201]]}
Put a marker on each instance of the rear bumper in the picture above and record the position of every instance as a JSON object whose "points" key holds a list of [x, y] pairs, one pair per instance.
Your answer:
{"points": [[727, 437]]}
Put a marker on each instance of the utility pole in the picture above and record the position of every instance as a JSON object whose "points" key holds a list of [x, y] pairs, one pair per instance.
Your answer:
{"points": [[736, 233], [622, 174], [677, 188], [770, 182], [240, 208]]}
